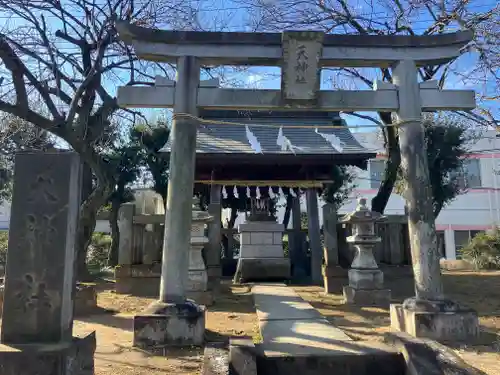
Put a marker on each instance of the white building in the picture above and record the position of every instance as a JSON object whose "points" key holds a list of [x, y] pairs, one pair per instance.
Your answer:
{"points": [[478, 209]]}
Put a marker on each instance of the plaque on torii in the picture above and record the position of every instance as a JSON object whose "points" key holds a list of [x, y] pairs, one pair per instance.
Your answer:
{"points": [[300, 79]]}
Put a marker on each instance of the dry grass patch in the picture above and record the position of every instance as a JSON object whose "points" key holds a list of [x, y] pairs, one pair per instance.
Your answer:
{"points": [[479, 290]]}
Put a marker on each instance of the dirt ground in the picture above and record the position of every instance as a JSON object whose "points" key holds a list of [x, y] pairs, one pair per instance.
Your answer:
{"points": [[479, 290], [233, 314]]}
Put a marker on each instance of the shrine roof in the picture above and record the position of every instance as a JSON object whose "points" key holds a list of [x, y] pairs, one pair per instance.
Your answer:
{"points": [[281, 134]]}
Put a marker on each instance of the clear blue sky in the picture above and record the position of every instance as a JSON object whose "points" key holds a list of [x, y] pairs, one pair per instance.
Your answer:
{"points": [[233, 15]]}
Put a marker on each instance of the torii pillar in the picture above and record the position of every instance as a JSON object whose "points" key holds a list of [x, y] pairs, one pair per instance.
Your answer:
{"points": [[428, 314], [173, 320]]}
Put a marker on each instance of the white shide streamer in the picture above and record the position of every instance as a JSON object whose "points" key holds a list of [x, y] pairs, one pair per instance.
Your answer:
{"points": [[280, 191], [248, 192], [254, 142], [292, 193], [224, 192], [271, 193], [257, 192], [333, 140], [235, 192]]}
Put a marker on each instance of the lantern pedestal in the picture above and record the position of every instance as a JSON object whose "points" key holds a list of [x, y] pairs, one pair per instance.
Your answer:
{"points": [[197, 288], [366, 288], [366, 280]]}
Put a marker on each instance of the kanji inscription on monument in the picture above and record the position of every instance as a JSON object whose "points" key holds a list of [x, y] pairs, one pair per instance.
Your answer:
{"points": [[301, 73], [38, 301]]}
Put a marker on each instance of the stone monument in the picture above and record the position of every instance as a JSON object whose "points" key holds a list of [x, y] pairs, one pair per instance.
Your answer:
{"points": [[37, 322], [366, 280], [197, 288], [261, 246]]}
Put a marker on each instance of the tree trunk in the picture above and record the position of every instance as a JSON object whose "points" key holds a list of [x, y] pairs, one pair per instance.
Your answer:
{"points": [[115, 234], [379, 202], [288, 210], [86, 227]]}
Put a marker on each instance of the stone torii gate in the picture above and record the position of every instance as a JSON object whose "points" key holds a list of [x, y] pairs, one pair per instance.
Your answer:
{"points": [[301, 56]]}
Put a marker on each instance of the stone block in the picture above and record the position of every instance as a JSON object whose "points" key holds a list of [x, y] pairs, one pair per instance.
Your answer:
{"points": [[73, 357], [317, 357], [263, 269], [38, 297], [428, 357], [85, 300], [215, 360], [262, 238], [367, 297], [123, 270], [197, 281], [456, 265], [261, 251], [396, 272], [334, 272], [278, 238], [261, 226], [138, 286], [245, 238], [145, 270], [170, 324], [242, 357], [366, 278], [457, 325]]}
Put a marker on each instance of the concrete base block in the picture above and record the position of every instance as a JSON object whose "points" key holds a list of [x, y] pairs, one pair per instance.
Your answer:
{"points": [[367, 297], [426, 357], [366, 278], [170, 324], [85, 300], [262, 269], [332, 276], [242, 357], [456, 325], [338, 358], [66, 358]]}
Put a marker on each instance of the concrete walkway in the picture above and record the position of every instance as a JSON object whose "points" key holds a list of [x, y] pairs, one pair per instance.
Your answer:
{"points": [[291, 328]]}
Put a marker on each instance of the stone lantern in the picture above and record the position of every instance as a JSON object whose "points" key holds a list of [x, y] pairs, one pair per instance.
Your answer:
{"points": [[198, 279], [366, 280]]}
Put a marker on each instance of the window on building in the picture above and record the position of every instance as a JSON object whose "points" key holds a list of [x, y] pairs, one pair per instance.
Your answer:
{"points": [[377, 168], [462, 238], [469, 177]]}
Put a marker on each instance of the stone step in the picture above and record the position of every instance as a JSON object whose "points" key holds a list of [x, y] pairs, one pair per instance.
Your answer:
{"points": [[341, 358], [297, 339]]}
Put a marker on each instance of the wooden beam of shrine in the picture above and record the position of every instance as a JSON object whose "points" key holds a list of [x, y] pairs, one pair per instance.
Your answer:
{"points": [[226, 48], [217, 98]]}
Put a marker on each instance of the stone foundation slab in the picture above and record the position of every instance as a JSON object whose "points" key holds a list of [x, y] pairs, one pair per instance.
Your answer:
{"points": [[170, 324], [367, 297], [458, 325], [332, 277], [68, 358], [262, 269]]}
